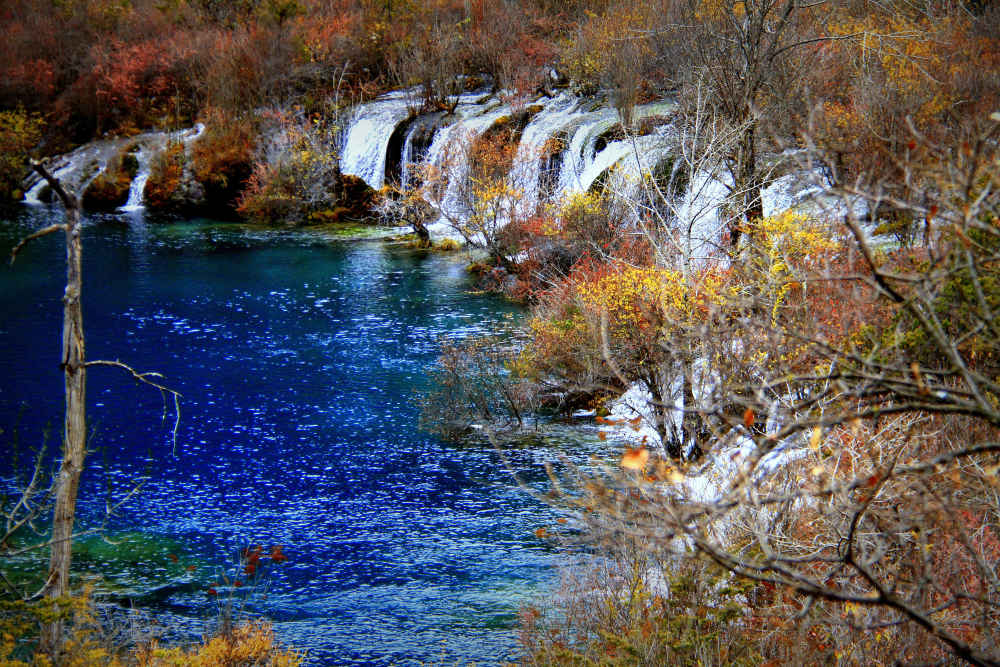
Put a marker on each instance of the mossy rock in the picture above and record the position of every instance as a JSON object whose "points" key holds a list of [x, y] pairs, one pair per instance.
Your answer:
{"points": [[130, 164], [358, 198], [108, 191], [648, 125], [614, 133], [447, 245]]}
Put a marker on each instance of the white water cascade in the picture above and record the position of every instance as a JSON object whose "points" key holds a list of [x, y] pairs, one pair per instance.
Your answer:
{"points": [[588, 146], [449, 153], [557, 114], [138, 185], [154, 143], [417, 132], [584, 161], [367, 138], [78, 169]]}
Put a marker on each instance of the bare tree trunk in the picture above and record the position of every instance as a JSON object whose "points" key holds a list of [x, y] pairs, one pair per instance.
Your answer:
{"points": [[75, 437], [692, 419], [74, 364], [747, 183], [75, 429]]}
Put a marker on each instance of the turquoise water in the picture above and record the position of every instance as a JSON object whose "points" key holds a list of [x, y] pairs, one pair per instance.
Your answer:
{"points": [[299, 357]]}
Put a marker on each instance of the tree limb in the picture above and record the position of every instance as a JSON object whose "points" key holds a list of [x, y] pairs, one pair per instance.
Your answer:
{"points": [[145, 379], [30, 237]]}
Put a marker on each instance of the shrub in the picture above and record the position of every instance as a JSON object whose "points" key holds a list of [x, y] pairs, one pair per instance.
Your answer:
{"points": [[637, 606], [222, 158], [111, 187], [166, 174], [251, 643], [296, 178], [20, 132]]}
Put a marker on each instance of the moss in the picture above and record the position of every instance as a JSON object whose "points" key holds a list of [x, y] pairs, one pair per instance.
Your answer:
{"points": [[130, 164], [110, 189], [448, 245]]}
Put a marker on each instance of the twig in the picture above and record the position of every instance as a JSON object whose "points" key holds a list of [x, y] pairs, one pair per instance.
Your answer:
{"points": [[145, 379]]}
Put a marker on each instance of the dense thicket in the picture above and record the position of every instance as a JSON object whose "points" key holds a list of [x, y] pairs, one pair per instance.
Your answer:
{"points": [[820, 385]]}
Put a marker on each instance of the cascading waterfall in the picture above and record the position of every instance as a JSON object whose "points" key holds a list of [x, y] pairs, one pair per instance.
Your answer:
{"points": [[78, 169], [585, 159], [591, 147], [368, 134], [153, 144], [446, 152], [416, 145], [139, 182], [556, 114]]}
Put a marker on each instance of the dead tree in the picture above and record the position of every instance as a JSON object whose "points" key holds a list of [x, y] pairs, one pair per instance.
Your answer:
{"points": [[74, 364]]}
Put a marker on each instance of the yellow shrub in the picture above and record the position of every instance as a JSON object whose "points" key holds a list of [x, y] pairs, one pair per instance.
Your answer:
{"points": [[248, 644]]}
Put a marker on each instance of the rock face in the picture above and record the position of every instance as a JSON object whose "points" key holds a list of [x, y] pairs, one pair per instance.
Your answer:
{"points": [[204, 172], [110, 189]]}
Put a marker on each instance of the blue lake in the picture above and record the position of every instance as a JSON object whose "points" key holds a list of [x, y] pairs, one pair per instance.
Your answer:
{"points": [[299, 357]]}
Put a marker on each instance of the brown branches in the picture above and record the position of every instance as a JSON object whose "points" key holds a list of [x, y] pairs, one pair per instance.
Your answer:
{"points": [[145, 378], [30, 237], [70, 201]]}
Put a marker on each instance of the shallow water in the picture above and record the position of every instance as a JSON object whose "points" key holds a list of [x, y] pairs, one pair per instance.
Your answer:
{"points": [[299, 357]]}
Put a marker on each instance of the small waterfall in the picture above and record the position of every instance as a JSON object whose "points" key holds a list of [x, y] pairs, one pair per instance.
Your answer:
{"points": [[557, 114], [150, 145], [138, 185], [78, 169], [591, 152], [582, 148], [448, 147], [34, 192], [368, 134], [419, 137]]}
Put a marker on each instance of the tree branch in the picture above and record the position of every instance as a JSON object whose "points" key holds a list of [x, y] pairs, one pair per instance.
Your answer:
{"points": [[31, 237], [145, 379]]}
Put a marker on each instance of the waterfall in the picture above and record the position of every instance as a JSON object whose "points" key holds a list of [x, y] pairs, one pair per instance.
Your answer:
{"points": [[150, 144], [525, 173], [367, 137], [78, 169], [589, 154], [448, 152], [419, 136], [138, 185], [582, 147]]}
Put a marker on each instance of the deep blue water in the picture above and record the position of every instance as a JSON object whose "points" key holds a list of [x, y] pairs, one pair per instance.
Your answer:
{"points": [[298, 357]]}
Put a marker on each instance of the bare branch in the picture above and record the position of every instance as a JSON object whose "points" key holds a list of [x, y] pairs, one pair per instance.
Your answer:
{"points": [[40, 233], [145, 378]]}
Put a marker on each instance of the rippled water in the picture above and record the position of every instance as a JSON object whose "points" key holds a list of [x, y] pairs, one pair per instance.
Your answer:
{"points": [[298, 356]]}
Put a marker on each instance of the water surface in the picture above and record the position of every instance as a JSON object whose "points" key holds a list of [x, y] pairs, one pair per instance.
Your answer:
{"points": [[299, 358]]}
